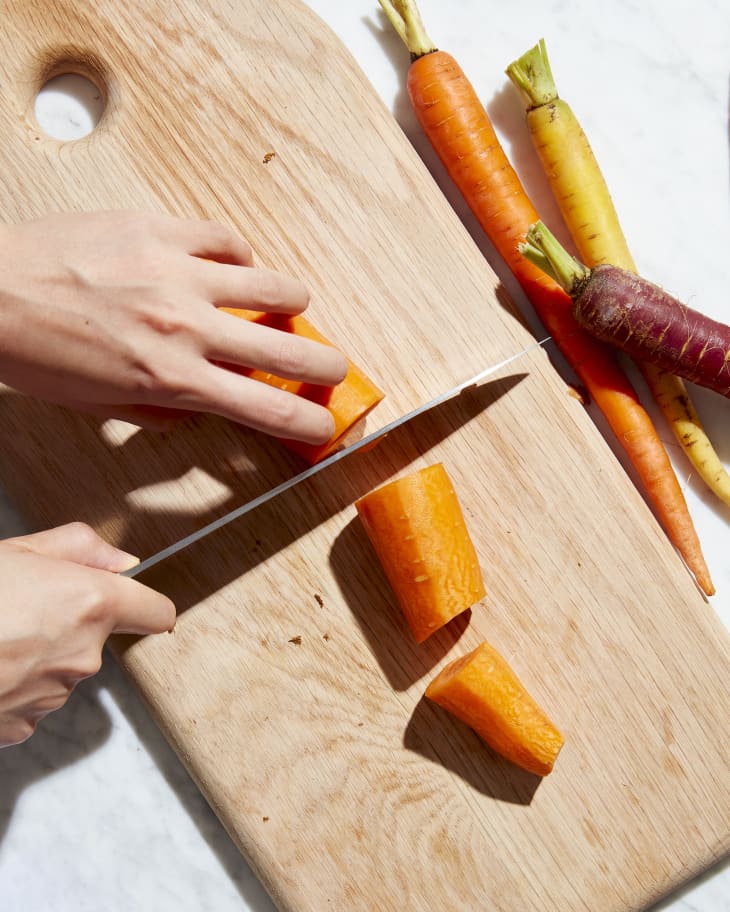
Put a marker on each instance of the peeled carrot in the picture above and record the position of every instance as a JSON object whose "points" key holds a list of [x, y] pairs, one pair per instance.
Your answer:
{"points": [[585, 203], [483, 691], [348, 402], [457, 126], [418, 531]]}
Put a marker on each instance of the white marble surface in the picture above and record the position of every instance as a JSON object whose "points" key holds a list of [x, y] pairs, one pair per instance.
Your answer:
{"points": [[96, 812]]}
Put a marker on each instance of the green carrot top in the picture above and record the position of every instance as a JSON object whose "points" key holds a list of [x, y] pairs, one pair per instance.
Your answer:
{"points": [[542, 248], [406, 20], [531, 74]]}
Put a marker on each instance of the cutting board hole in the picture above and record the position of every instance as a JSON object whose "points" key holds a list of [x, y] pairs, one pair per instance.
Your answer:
{"points": [[69, 106]]}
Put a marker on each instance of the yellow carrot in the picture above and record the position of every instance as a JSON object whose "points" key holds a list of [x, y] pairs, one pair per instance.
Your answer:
{"points": [[584, 200]]}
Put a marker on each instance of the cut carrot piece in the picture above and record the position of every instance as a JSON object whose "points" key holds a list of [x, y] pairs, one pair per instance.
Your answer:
{"points": [[419, 534], [348, 402], [483, 691]]}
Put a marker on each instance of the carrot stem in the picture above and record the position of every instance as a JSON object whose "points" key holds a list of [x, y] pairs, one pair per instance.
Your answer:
{"points": [[533, 75], [542, 248], [405, 18]]}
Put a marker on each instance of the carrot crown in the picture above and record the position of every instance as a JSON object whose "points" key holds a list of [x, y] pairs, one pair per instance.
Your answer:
{"points": [[542, 248], [532, 75], [405, 18]]}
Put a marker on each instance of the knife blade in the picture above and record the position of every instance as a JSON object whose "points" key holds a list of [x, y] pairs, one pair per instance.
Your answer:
{"points": [[326, 463]]}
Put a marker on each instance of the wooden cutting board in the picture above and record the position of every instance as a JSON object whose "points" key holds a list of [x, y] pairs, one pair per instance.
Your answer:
{"points": [[339, 783]]}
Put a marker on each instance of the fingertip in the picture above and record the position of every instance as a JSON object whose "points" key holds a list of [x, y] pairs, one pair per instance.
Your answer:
{"points": [[167, 617], [163, 617], [141, 610], [343, 368], [326, 431], [126, 562]]}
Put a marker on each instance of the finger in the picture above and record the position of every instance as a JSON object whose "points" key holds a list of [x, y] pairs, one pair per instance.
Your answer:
{"points": [[251, 289], [79, 543], [209, 240], [262, 407], [15, 730], [51, 701], [139, 609], [252, 345]]}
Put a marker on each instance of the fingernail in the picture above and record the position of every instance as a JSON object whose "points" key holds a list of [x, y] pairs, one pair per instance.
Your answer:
{"points": [[127, 561]]}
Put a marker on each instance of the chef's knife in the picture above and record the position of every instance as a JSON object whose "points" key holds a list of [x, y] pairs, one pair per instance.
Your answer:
{"points": [[325, 463]]}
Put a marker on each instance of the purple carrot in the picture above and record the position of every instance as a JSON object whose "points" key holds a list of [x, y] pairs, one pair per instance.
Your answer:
{"points": [[636, 316]]}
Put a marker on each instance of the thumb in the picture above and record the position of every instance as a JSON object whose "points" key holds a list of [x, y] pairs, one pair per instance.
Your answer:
{"points": [[79, 543]]}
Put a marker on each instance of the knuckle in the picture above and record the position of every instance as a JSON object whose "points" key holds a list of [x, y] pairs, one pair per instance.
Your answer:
{"points": [[267, 288], [218, 232], [82, 533], [17, 731], [281, 412], [224, 238], [166, 318], [95, 603], [150, 266], [87, 666], [162, 382], [290, 358]]}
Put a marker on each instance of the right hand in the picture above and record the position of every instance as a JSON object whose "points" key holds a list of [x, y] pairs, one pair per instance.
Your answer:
{"points": [[116, 313], [62, 598]]}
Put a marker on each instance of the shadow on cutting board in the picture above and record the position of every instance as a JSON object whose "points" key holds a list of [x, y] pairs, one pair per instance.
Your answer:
{"points": [[370, 598], [79, 480], [57, 467], [254, 538], [442, 739]]}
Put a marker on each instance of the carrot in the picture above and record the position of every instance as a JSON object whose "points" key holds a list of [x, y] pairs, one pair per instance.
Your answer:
{"points": [[418, 531], [585, 203], [636, 315], [348, 402], [482, 690], [627, 311], [456, 124]]}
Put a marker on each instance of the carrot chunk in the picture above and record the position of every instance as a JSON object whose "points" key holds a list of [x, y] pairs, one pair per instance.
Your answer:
{"points": [[482, 690], [418, 531], [348, 402]]}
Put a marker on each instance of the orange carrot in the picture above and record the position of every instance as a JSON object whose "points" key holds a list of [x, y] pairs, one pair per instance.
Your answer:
{"points": [[585, 203], [457, 126], [418, 531], [483, 691], [348, 402]]}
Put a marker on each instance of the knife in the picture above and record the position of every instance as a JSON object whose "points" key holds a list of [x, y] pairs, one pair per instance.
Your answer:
{"points": [[326, 463]]}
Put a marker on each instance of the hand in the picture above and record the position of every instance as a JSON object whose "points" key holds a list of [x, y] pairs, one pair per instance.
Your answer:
{"points": [[115, 313], [62, 598]]}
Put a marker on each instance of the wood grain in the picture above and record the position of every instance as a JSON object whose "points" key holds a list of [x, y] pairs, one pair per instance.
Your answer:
{"points": [[338, 782]]}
